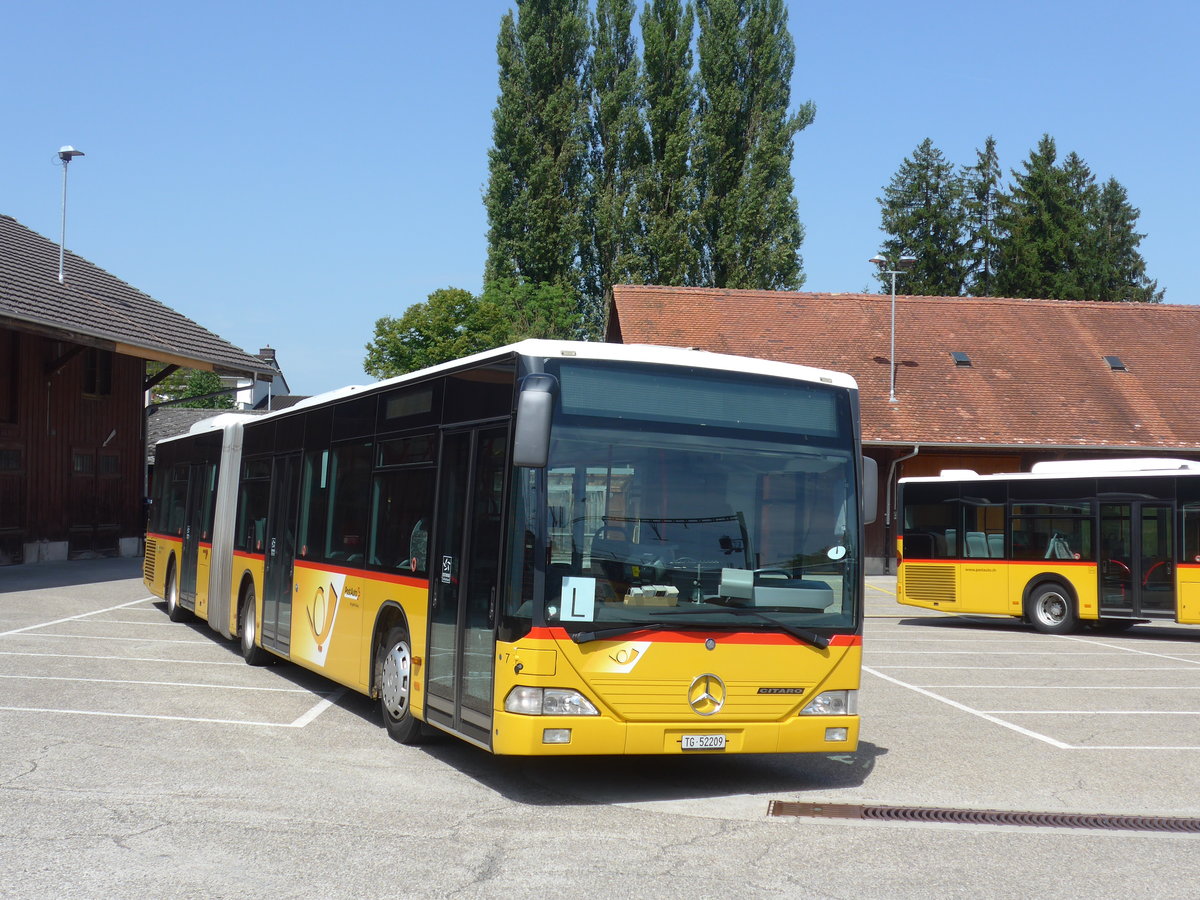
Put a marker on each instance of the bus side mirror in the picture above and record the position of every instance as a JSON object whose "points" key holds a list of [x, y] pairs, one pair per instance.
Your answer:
{"points": [[870, 490], [535, 408]]}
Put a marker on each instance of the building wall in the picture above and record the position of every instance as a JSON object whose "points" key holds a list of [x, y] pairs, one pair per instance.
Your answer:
{"points": [[71, 449]]}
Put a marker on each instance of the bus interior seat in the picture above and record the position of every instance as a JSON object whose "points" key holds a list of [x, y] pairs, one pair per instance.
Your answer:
{"points": [[918, 545], [951, 543], [996, 545], [977, 545]]}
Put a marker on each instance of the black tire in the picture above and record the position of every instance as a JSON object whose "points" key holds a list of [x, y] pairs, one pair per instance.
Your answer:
{"points": [[1051, 610], [248, 630], [175, 611], [395, 687]]}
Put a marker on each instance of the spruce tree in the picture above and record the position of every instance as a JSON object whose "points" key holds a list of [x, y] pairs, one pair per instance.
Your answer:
{"points": [[750, 229], [618, 154], [668, 197], [923, 215], [1041, 220], [983, 198], [537, 183], [1122, 270]]}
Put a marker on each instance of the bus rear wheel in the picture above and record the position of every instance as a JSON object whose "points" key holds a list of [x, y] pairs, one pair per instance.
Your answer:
{"points": [[175, 612], [248, 631], [395, 687], [1051, 610]]}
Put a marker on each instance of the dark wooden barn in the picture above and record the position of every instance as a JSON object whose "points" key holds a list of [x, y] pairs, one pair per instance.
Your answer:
{"points": [[73, 383]]}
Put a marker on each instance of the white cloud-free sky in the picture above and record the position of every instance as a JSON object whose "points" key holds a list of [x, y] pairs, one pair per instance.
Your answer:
{"points": [[286, 173]]}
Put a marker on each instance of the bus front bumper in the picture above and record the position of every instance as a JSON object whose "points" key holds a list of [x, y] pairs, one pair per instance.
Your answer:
{"points": [[519, 735]]}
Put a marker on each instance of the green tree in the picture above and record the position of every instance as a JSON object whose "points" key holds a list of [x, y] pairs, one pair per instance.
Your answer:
{"points": [[983, 198], [750, 227], [923, 215], [196, 383], [618, 155], [1044, 223], [1121, 274], [536, 196], [453, 323], [668, 195]]}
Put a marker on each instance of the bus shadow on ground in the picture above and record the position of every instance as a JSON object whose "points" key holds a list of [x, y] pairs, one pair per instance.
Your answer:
{"points": [[974, 624], [600, 780], [48, 576]]}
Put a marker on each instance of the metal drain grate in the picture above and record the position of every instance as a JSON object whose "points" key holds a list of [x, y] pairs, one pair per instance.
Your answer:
{"points": [[944, 815]]}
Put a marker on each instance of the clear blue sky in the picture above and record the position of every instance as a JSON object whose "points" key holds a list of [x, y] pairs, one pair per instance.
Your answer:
{"points": [[286, 173]]}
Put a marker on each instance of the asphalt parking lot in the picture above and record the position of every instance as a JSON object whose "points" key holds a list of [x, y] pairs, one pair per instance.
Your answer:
{"points": [[140, 757]]}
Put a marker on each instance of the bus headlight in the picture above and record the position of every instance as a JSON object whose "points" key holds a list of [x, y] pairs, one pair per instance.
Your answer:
{"points": [[832, 703], [536, 701]]}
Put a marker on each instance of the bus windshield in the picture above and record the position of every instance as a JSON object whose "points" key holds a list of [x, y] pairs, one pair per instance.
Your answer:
{"points": [[675, 516]]}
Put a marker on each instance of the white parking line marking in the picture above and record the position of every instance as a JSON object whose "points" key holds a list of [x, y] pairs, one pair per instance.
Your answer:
{"points": [[1093, 712], [86, 615], [974, 712], [1065, 687], [186, 684], [1055, 669], [95, 637], [152, 659], [318, 709], [1181, 659], [299, 723]]}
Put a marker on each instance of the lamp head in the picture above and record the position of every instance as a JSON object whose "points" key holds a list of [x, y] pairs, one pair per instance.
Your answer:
{"points": [[878, 260], [67, 153]]}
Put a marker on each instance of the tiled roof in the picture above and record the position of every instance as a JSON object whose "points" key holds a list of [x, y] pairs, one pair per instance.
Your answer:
{"points": [[1037, 376], [93, 306]]}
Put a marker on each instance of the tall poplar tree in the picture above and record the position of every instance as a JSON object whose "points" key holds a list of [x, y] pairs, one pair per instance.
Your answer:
{"points": [[750, 228], [536, 196], [983, 199], [618, 155], [668, 196], [923, 215]]}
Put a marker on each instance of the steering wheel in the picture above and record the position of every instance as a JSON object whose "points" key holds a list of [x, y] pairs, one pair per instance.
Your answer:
{"points": [[602, 533]]}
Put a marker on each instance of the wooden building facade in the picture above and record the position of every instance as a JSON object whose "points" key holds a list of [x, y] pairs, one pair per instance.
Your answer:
{"points": [[73, 383]]}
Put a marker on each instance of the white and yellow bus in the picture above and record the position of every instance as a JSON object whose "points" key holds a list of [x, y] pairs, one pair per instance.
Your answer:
{"points": [[1109, 543], [550, 548]]}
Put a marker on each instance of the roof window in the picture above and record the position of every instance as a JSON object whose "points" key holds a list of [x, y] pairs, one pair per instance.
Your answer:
{"points": [[1114, 363], [960, 358]]}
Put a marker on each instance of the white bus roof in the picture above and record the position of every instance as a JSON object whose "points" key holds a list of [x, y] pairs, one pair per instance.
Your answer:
{"points": [[1080, 468], [597, 350]]}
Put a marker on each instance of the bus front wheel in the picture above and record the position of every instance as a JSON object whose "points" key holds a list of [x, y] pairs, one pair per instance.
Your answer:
{"points": [[395, 687], [1051, 610]]}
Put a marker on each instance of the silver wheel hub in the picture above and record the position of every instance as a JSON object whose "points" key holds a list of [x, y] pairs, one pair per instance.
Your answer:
{"points": [[1052, 608], [397, 674], [248, 625]]}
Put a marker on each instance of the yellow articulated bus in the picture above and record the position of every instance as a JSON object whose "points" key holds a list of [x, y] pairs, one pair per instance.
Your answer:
{"points": [[1107, 543], [549, 548]]}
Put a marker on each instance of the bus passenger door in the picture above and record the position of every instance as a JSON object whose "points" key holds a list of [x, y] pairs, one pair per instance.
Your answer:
{"points": [[280, 553], [193, 528], [464, 576], [1137, 559]]}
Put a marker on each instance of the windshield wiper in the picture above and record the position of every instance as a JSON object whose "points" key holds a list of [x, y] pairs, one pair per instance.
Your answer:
{"points": [[809, 637], [583, 637]]}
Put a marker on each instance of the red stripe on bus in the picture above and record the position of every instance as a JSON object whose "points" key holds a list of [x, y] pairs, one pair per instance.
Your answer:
{"points": [[164, 537], [242, 554], [365, 573], [681, 637], [983, 560]]}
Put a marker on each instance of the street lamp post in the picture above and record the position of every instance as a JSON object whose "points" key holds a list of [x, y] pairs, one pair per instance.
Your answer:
{"points": [[66, 154], [886, 267]]}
